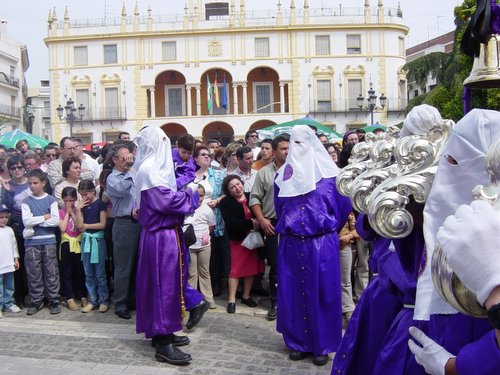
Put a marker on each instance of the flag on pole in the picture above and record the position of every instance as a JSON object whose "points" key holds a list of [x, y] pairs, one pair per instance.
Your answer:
{"points": [[210, 102], [216, 93], [223, 99]]}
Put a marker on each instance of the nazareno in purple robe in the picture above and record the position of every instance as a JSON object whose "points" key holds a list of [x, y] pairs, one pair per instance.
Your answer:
{"points": [[378, 306], [308, 296], [161, 275], [402, 268], [450, 331], [481, 357]]}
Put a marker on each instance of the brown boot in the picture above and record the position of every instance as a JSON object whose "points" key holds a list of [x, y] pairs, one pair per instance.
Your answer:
{"points": [[72, 305]]}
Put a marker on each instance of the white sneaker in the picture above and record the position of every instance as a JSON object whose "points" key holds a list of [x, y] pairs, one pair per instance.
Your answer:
{"points": [[13, 309], [1, 315]]}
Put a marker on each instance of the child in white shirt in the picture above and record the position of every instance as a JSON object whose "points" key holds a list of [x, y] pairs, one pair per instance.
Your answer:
{"points": [[203, 221], [9, 262]]}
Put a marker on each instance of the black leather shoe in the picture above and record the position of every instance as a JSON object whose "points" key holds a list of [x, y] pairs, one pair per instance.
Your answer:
{"points": [[249, 302], [170, 354], [124, 314], [181, 340], [231, 308], [320, 360], [271, 314], [196, 313], [177, 341], [295, 355]]}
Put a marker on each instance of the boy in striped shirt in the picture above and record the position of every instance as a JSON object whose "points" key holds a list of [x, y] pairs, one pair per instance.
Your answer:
{"points": [[41, 218]]}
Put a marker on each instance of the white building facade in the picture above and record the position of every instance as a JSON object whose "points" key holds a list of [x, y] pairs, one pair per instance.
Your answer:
{"points": [[272, 66], [38, 107], [13, 90], [444, 44]]}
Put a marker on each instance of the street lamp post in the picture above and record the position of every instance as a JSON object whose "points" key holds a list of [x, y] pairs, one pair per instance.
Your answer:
{"points": [[71, 113], [371, 101], [31, 119]]}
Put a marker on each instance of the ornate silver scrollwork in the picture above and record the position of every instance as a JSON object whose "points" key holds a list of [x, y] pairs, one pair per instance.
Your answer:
{"points": [[361, 178], [417, 157], [375, 152], [447, 283], [359, 155]]}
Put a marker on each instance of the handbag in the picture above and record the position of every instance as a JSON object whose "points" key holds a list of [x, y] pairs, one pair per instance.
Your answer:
{"points": [[253, 240], [189, 235]]}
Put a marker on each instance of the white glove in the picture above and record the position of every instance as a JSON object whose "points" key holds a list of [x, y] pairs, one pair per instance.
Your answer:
{"points": [[193, 187], [471, 242], [420, 119], [431, 356]]}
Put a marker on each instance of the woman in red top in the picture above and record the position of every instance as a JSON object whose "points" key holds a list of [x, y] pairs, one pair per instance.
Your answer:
{"points": [[239, 221]]}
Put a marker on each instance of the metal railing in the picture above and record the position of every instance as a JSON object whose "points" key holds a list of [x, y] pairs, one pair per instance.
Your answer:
{"points": [[9, 80], [105, 114], [8, 110], [252, 17], [351, 105]]}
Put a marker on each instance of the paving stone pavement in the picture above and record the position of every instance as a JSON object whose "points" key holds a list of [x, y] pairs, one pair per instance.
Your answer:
{"points": [[73, 343]]}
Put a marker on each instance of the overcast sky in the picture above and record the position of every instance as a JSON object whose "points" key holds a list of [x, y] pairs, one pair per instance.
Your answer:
{"points": [[27, 19]]}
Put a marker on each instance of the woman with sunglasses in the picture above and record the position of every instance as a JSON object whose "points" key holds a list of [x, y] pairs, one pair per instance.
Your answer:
{"points": [[14, 192]]}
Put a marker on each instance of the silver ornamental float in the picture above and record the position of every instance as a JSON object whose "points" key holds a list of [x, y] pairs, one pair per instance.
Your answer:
{"points": [[412, 174], [359, 179]]}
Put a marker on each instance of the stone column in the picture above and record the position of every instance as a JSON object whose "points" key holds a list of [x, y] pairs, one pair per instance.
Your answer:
{"points": [[188, 102], [235, 98], [198, 100], [153, 102], [245, 101], [282, 97]]}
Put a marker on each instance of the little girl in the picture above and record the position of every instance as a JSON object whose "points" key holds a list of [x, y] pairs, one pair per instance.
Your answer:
{"points": [[203, 221], [91, 220], [72, 276]]}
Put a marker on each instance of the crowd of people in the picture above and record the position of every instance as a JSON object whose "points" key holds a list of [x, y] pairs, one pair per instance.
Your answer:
{"points": [[163, 230]]}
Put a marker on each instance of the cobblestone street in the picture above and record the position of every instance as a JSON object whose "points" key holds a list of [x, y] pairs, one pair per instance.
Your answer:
{"points": [[75, 343]]}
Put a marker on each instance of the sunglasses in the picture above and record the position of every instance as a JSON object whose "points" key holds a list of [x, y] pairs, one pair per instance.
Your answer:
{"points": [[50, 155], [204, 154], [253, 136], [16, 168]]}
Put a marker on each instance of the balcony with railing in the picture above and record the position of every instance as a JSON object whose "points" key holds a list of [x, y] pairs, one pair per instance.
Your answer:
{"points": [[8, 80], [253, 18], [7, 110], [105, 114], [351, 105]]}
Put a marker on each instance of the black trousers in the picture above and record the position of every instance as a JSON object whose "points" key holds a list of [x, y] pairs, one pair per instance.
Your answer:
{"points": [[72, 274]]}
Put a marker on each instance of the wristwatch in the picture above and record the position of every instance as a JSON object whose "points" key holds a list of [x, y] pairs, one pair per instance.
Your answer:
{"points": [[494, 316]]}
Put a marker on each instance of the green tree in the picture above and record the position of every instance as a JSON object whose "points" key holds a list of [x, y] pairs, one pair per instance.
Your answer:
{"points": [[450, 71]]}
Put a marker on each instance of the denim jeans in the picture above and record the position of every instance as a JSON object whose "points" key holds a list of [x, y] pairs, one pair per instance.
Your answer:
{"points": [[6, 290], [95, 275]]}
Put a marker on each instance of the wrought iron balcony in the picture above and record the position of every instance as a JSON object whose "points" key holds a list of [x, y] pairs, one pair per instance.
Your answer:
{"points": [[8, 110], [11, 81], [105, 114]]}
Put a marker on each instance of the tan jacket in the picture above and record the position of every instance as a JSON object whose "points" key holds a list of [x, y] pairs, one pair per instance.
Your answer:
{"points": [[348, 230]]}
